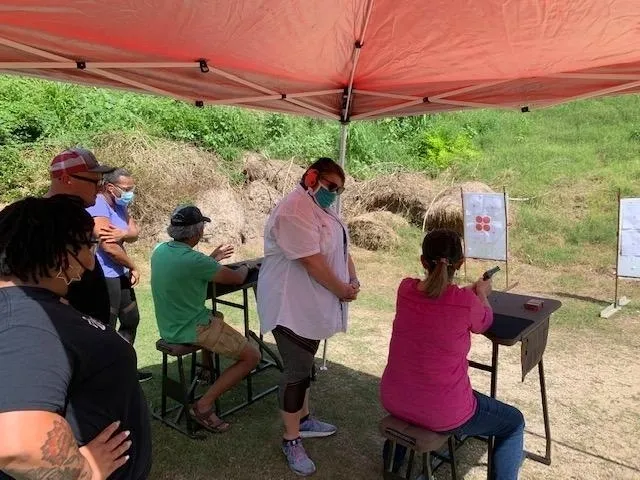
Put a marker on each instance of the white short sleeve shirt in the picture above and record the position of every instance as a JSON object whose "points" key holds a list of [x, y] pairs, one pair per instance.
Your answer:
{"points": [[287, 294]]}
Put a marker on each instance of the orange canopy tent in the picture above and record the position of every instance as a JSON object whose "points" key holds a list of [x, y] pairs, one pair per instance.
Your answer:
{"points": [[336, 59]]}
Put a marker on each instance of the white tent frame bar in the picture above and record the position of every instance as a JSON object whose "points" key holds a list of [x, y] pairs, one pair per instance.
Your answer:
{"points": [[357, 47], [596, 76], [92, 65], [264, 98], [595, 93], [459, 103], [439, 98], [99, 68], [392, 108], [57, 59], [386, 95]]}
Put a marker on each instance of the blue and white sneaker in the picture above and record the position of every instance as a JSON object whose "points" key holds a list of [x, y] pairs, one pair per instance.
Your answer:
{"points": [[297, 458], [314, 428]]}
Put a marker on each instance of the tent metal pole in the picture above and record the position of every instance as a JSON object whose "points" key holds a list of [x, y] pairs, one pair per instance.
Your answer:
{"points": [[344, 131]]}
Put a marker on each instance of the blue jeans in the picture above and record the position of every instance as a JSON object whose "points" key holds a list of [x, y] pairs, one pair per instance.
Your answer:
{"points": [[506, 423]]}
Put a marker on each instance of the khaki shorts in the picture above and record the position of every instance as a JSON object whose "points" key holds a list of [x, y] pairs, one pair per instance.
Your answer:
{"points": [[218, 337]]}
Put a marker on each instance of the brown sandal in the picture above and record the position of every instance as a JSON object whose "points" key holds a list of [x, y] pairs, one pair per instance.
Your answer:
{"points": [[204, 419]]}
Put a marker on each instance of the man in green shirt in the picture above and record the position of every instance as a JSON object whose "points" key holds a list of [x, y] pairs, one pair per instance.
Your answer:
{"points": [[179, 280]]}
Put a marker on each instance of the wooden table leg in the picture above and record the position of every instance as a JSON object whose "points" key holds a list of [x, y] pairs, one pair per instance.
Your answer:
{"points": [[494, 388], [546, 460]]}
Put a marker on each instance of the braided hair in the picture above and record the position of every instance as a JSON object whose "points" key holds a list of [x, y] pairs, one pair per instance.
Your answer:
{"points": [[441, 252], [36, 234]]}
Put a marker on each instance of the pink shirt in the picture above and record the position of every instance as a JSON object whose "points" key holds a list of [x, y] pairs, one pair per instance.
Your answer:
{"points": [[426, 380]]}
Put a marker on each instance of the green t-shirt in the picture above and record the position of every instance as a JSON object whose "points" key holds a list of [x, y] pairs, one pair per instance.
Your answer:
{"points": [[179, 278]]}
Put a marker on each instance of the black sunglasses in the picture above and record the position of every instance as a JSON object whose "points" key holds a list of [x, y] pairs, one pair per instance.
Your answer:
{"points": [[97, 182], [333, 187]]}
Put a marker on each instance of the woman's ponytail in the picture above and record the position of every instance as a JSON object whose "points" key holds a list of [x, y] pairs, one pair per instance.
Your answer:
{"points": [[438, 279]]}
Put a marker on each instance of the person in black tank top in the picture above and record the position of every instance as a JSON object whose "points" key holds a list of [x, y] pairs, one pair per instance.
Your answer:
{"points": [[71, 402]]}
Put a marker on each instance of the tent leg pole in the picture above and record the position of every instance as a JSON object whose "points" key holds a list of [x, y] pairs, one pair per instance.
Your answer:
{"points": [[344, 130], [324, 356]]}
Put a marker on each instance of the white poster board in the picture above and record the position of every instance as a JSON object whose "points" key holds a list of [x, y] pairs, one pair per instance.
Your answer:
{"points": [[629, 238], [485, 226]]}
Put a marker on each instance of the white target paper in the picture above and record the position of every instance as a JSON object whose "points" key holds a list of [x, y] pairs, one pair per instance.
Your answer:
{"points": [[629, 231], [485, 226]]}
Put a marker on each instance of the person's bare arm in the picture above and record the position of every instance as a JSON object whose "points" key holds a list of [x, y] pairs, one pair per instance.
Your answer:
{"points": [[133, 231], [40, 445], [317, 267], [353, 276], [114, 250], [230, 276]]}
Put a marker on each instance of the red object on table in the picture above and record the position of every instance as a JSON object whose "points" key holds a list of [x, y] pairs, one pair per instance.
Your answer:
{"points": [[534, 304]]}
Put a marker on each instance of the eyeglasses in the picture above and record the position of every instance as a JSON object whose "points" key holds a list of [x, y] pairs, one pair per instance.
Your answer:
{"points": [[96, 181], [332, 187], [124, 189]]}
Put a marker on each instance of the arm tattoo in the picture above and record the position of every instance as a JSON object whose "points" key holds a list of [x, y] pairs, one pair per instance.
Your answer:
{"points": [[61, 459]]}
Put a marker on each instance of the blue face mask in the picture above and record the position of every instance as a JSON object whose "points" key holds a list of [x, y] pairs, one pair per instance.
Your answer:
{"points": [[124, 199], [324, 197]]}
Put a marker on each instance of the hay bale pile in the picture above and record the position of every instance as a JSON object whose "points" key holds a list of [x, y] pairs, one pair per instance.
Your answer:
{"points": [[375, 230], [227, 216], [258, 199], [376, 209], [282, 176], [407, 194], [446, 211], [186, 172]]}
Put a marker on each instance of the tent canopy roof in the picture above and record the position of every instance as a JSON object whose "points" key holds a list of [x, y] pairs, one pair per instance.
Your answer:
{"points": [[339, 59]]}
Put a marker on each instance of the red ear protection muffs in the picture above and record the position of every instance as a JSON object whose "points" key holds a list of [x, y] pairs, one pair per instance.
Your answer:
{"points": [[311, 178]]}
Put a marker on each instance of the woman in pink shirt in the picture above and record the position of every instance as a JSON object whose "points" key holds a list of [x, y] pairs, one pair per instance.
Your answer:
{"points": [[426, 381]]}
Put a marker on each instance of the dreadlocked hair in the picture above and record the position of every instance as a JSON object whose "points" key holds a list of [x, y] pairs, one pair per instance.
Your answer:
{"points": [[36, 234], [441, 251]]}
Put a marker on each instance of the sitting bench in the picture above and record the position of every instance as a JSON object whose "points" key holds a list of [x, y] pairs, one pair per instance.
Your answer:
{"points": [[418, 440], [179, 391]]}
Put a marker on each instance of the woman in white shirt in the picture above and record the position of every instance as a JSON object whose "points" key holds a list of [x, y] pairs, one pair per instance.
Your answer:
{"points": [[306, 280]]}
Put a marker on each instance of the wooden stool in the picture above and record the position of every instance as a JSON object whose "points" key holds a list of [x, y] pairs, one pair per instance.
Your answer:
{"points": [[418, 440], [178, 390]]}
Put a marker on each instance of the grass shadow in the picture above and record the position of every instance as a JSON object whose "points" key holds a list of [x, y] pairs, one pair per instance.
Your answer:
{"points": [[583, 298], [251, 449]]}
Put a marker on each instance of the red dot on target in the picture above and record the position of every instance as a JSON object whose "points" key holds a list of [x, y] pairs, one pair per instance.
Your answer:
{"points": [[479, 227], [486, 219], [479, 219], [487, 228]]}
